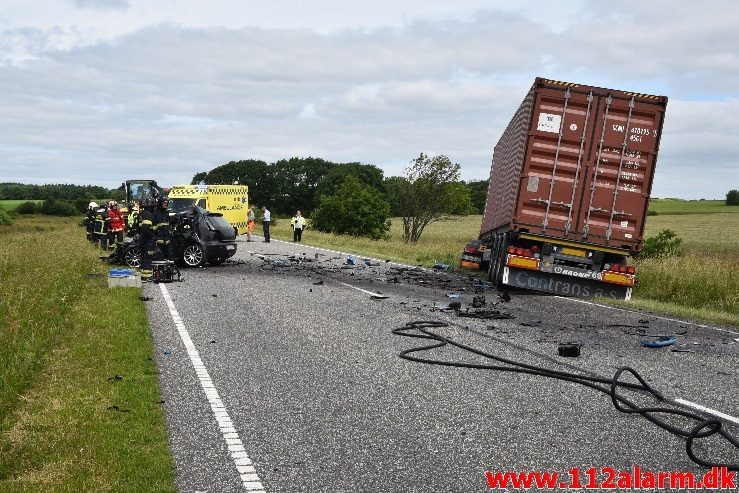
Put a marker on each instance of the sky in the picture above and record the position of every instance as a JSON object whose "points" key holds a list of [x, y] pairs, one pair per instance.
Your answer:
{"points": [[100, 91]]}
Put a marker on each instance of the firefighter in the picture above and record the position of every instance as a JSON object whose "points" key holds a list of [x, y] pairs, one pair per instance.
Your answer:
{"points": [[162, 227], [101, 227], [90, 221], [147, 237], [117, 225]]}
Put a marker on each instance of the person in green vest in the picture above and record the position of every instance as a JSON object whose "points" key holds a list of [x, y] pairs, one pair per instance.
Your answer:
{"points": [[298, 224]]}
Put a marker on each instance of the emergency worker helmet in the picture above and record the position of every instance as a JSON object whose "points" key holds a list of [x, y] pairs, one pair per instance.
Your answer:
{"points": [[93, 205], [161, 200], [148, 201], [112, 204]]}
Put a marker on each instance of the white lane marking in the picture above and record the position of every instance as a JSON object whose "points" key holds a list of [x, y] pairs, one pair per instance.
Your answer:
{"points": [[249, 477], [708, 410], [360, 289], [668, 319]]}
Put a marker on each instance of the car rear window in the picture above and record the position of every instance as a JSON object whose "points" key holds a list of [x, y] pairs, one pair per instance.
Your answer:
{"points": [[221, 225]]}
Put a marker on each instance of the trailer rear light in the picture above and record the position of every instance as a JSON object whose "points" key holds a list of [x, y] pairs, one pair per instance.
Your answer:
{"points": [[606, 266], [615, 267], [622, 269], [511, 250], [618, 278], [470, 249], [523, 263], [519, 251], [535, 249], [631, 270]]}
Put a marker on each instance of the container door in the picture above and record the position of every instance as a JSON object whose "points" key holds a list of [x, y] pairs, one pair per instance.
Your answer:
{"points": [[619, 174], [553, 172]]}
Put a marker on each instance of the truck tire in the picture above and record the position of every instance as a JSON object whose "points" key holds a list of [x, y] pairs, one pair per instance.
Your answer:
{"points": [[496, 271]]}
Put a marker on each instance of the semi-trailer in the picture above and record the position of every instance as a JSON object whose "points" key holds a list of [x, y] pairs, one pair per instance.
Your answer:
{"points": [[569, 188]]}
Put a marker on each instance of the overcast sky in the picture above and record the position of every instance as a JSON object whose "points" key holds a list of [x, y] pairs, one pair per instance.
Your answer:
{"points": [[99, 91]]}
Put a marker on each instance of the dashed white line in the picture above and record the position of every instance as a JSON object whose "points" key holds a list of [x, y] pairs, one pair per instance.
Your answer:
{"points": [[248, 474], [708, 410], [371, 293]]}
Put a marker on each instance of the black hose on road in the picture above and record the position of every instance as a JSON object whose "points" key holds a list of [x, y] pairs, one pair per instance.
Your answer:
{"points": [[704, 427]]}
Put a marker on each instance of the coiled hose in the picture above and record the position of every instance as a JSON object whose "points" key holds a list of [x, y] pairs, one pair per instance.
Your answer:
{"points": [[704, 427]]}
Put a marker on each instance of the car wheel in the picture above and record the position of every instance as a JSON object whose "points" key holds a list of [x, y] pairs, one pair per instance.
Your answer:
{"points": [[193, 255], [132, 257]]}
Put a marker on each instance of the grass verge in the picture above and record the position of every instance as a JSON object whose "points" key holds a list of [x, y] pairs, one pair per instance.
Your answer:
{"points": [[65, 426]]}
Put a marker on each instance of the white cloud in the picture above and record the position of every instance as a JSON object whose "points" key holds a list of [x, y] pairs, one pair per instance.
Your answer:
{"points": [[166, 89]]}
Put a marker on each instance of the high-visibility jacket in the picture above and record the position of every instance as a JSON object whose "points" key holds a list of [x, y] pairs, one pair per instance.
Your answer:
{"points": [[297, 222], [161, 225], [116, 220], [133, 217], [146, 223], [102, 222]]}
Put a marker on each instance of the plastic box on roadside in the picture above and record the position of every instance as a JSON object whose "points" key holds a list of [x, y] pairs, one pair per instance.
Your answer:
{"points": [[124, 278]]}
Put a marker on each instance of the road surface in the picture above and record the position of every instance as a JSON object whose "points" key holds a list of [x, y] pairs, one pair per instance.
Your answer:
{"points": [[282, 375]]}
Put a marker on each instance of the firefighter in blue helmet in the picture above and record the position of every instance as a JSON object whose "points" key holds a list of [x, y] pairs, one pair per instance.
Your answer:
{"points": [[163, 232], [147, 236]]}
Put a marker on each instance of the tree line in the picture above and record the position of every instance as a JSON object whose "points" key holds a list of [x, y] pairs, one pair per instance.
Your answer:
{"points": [[66, 192], [355, 198], [299, 183]]}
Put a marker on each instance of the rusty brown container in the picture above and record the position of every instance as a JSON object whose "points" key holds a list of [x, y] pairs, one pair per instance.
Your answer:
{"points": [[576, 162]]}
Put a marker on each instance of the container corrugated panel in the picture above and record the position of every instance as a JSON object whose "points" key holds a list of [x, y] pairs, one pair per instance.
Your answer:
{"points": [[576, 162]]}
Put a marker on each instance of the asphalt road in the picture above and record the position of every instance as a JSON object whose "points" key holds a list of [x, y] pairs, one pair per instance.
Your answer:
{"points": [[275, 383]]}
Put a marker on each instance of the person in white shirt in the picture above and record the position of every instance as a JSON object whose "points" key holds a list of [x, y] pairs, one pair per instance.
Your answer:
{"points": [[266, 218]]}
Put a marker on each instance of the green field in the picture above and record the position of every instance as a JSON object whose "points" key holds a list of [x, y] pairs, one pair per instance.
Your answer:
{"points": [[679, 206], [64, 335], [11, 205]]}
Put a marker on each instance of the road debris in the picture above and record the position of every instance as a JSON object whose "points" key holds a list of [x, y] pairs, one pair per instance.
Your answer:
{"points": [[569, 349], [660, 342], [486, 314]]}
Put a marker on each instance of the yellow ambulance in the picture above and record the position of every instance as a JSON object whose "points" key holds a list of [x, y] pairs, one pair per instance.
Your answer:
{"points": [[230, 200]]}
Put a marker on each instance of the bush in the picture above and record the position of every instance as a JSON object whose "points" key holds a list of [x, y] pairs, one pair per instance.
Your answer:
{"points": [[26, 208], [81, 205], [355, 209], [652, 212], [665, 244], [732, 198], [53, 207], [5, 218]]}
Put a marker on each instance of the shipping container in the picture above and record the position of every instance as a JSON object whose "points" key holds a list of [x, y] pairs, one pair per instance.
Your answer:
{"points": [[573, 172], [576, 162]]}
